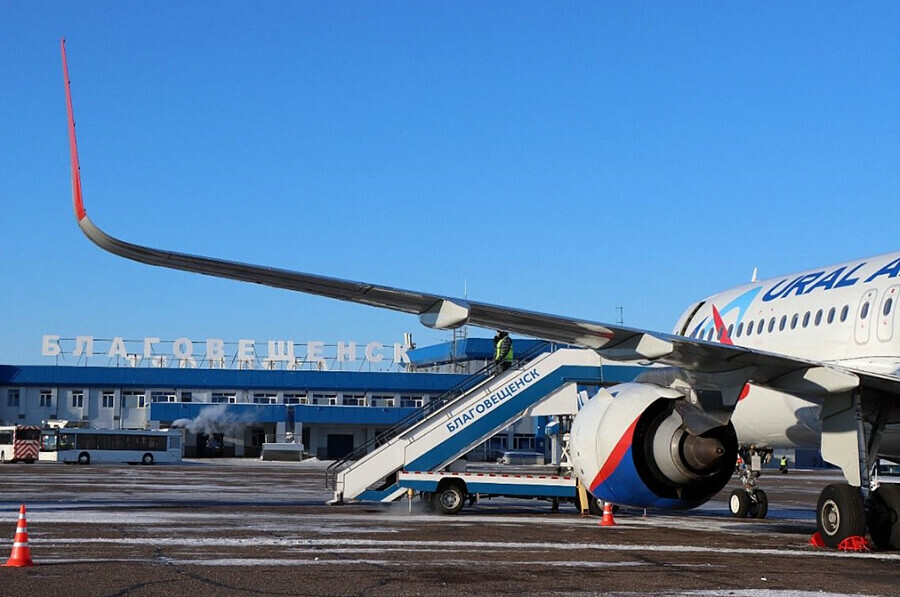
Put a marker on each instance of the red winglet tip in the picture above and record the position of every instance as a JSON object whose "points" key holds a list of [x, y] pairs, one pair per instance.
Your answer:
{"points": [[77, 199]]}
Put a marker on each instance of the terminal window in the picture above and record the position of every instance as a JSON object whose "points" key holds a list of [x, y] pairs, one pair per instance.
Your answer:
{"points": [[133, 400], [77, 399], [46, 398], [163, 397], [354, 400], [12, 398], [264, 399], [410, 401], [295, 399], [325, 399], [223, 398], [109, 399]]}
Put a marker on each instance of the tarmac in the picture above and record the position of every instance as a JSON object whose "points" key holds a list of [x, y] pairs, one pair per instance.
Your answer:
{"points": [[245, 527]]}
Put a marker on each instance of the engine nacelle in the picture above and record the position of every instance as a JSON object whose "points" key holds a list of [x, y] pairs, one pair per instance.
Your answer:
{"points": [[630, 446]]}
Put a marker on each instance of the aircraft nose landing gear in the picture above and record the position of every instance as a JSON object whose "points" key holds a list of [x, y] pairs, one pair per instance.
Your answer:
{"points": [[748, 502]]}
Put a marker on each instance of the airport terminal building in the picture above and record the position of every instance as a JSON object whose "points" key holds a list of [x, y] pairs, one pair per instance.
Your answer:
{"points": [[318, 401]]}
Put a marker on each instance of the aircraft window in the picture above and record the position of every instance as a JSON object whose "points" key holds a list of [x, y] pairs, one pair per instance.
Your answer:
{"points": [[719, 333], [806, 319], [759, 326], [887, 306], [750, 329], [771, 325], [831, 315], [818, 316], [844, 313], [782, 323], [740, 329], [865, 310], [794, 321], [730, 329], [709, 335]]}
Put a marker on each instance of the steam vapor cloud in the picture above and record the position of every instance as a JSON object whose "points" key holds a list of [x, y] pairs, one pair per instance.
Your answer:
{"points": [[215, 419]]}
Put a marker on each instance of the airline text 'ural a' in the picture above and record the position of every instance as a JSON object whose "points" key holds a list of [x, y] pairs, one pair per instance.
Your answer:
{"points": [[808, 360]]}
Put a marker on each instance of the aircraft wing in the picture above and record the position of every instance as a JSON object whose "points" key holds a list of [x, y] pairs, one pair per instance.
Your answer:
{"points": [[442, 312]]}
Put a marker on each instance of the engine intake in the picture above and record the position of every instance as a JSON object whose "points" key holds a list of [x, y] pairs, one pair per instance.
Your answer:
{"points": [[631, 446]]}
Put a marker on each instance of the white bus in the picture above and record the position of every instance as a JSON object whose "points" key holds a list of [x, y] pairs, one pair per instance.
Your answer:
{"points": [[19, 443], [86, 446]]}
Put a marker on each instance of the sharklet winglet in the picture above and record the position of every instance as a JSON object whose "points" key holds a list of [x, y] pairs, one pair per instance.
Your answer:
{"points": [[77, 199]]}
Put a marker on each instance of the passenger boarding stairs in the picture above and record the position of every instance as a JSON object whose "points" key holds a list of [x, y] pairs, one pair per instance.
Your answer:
{"points": [[455, 423]]}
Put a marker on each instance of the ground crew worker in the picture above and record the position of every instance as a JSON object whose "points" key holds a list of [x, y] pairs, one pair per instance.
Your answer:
{"points": [[503, 352], [783, 465]]}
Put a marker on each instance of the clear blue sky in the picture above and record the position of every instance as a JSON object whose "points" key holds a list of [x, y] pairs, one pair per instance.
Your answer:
{"points": [[566, 158]]}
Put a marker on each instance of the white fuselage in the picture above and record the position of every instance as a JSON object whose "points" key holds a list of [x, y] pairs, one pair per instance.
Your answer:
{"points": [[842, 314]]}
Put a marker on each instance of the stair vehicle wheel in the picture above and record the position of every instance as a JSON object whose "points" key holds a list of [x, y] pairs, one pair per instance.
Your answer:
{"points": [[739, 503], [884, 516], [84, 458], [450, 499], [759, 504], [840, 513], [147, 459]]}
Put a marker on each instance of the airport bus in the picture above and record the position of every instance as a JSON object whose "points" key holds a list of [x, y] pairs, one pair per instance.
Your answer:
{"points": [[19, 443], [86, 446]]}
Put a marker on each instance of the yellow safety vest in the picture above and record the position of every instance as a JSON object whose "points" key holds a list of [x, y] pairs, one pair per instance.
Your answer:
{"points": [[509, 355]]}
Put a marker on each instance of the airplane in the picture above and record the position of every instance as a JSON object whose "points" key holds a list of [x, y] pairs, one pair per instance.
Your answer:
{"points": [[808, 360]]}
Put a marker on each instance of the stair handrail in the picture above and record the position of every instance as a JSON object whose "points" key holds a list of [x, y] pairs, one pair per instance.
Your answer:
{"points": [[426, 409]]}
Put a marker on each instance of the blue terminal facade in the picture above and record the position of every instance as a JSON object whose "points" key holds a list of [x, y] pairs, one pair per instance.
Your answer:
{"points": [[331, 412]]}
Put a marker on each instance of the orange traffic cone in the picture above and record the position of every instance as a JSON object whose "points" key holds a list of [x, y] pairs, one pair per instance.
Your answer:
{"points": [[21, 553], [607, 520]]}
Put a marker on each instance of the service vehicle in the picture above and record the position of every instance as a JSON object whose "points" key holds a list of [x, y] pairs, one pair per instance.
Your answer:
{"points": [[448, 491], [19, 443], [87, 446]]}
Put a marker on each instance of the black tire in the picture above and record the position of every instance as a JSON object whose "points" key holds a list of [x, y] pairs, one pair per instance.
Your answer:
{"points": [[884, 517], [450, 499], [840, 513], [759, 504], [147, 459], [84, 458], [595, 505], [739, 503]]}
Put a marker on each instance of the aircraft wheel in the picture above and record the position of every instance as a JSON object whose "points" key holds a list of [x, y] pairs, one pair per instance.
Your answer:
{"points": [[884, 517], [739, 503], [840, 513], [450, 499], [595, 506], [759, 504]]}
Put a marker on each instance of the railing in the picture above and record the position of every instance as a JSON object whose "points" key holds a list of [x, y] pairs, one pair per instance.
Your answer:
{"points": [[433, 405]]}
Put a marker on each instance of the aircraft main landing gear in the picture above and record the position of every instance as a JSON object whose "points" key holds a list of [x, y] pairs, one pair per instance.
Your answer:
{"points": [[840, 513]]}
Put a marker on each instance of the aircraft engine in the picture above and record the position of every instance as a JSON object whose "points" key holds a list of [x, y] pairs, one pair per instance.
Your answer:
{"points": [[630, 445]]}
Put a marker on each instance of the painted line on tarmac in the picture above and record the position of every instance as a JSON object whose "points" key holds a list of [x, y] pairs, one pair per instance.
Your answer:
{"points": [[420, 546]]}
